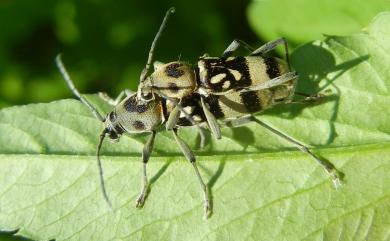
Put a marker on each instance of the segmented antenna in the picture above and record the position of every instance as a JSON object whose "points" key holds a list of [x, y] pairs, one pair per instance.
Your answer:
{"points": [[145, 71], [71, 86], [69, 82], [99, 163]]}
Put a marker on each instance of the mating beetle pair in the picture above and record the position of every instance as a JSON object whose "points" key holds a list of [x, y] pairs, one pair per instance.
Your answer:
{"points": [[216, 91]]}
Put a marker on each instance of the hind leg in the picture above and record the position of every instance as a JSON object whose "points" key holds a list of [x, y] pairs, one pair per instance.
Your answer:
{"points": [[328, 167]]}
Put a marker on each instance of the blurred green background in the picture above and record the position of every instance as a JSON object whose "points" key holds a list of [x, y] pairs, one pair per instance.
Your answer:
{"points": [[105, 43]]}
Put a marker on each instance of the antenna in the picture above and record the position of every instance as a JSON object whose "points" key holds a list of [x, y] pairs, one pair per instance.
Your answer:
{"points": [[71, 86], [99, 163], [145, 71]]}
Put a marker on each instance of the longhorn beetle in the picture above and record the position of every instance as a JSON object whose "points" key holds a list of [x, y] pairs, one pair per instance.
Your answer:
{"points": [[219, 76], [226, 88], [134, 116], [144, 112]]}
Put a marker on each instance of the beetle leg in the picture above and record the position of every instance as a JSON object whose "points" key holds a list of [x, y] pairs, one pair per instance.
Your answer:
{"points": [[272, 45], [211, 120], [271, 83], [191, 158], [173, 118], [188, 117], [148, 148], [329, 167], [104, 96], [308, 98], [234, 46]]}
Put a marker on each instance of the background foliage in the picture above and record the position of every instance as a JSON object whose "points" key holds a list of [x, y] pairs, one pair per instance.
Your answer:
{"points": [[105, 45]]}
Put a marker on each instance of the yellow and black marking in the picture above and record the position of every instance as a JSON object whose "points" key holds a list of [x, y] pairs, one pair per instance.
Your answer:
{"points": [[174, 79], [218, 75], [131, 105], [191, 104], [133, 115], [173, 70], [231, 105]]}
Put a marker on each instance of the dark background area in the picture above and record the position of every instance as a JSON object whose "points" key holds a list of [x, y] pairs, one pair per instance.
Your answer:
{"points": [[105, 44]]}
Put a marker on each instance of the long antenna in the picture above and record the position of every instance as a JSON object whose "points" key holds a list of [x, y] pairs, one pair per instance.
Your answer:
{"points": [[99, 163], [71, 86], [145, 71], [69, 82]]}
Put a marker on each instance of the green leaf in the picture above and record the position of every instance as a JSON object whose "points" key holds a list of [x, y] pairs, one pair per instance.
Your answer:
{"points": [[261, 187], [305, 20]]}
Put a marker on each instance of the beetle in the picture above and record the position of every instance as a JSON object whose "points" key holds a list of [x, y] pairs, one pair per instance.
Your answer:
{"points": [[134, 116], [216, 76], [145, 112], [227, 88]]}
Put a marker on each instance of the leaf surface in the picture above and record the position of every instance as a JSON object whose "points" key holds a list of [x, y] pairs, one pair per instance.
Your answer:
{"points": [[301, 21], [261, 187]]}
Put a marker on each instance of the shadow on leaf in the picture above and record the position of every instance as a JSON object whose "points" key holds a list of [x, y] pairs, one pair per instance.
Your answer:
{"points": [[316, 64]]}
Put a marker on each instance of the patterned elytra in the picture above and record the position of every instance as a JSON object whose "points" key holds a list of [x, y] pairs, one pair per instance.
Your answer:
{"points": [[221, 73], [218, 75], [251, 101], [215, 108], [215, 76], [272, 67]]}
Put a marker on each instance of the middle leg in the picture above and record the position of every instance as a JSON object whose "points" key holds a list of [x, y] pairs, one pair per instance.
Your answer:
{"points": [[191, 158]]}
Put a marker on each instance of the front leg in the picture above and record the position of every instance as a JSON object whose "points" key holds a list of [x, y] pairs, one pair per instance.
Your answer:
{"points": [[148, 148], [104, 96]]}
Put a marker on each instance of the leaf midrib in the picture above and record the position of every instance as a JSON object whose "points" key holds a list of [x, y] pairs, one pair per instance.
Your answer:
{"points": [[341, 150]]}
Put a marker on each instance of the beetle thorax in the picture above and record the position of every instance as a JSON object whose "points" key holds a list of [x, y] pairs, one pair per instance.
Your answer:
{"points": [[136, 116]]}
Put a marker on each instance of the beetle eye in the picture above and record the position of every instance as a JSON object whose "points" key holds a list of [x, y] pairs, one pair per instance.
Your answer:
{"points": [[113, 135]]}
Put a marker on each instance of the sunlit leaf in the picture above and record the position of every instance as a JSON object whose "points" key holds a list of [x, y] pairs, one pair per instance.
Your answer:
{"points": [[305, 20], [261, 187]]}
